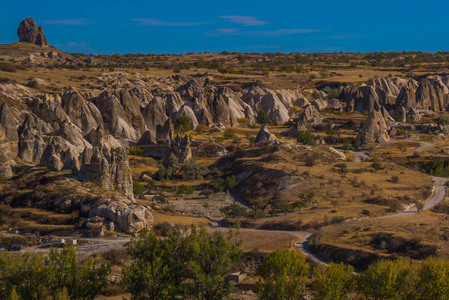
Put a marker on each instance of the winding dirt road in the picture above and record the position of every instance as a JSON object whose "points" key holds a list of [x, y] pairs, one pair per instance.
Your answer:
{"points": [[302, 245]]}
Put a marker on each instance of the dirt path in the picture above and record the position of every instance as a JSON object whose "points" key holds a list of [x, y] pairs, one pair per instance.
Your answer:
{"points": [[302, 245], [438, 192], [423, 146]]}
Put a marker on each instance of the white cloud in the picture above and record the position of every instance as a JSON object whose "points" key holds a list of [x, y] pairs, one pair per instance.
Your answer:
{"points": [[73, 22], [286, 32], [259, 34], [157, 22], [224, 32], [245, 20]]}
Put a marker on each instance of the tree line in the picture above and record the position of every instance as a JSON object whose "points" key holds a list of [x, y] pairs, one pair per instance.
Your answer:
{"points": [[194, 264]]}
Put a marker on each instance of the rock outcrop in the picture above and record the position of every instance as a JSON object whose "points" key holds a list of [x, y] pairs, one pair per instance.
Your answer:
{"points": [[300, 125], [29, 32], [107, 166], [181, 148], [8, 141], [374, 129], [264, 135]]}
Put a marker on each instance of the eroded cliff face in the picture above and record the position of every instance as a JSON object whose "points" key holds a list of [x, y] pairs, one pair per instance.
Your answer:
{"points": [[59, 131]]}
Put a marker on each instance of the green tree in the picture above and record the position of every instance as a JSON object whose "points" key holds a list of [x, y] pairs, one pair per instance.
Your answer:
{"points": [[284, 275], [183, 124], [181, 266], [211, 257], [226, 184], [381, 281], [27, 274], [82, 280], [230, 182], [332, 135], [234, 211], [304, 137], [402, 148], [156, 271], [278, 205], [262, 118], [333, 282], [58, 276], [191, 170], [433, 280], [138, 189], [168, 167]]}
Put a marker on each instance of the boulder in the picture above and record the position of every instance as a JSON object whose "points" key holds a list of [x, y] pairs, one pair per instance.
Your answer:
{"points": [[334, 103], [339, 154], [129, 218], [320, 104]]}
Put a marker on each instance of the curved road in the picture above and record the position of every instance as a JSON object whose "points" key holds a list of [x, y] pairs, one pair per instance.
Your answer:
{"points": [[302, 245], [423, 146]]}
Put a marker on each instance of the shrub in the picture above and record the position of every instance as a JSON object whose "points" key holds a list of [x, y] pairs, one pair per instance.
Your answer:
{"points": [[304, 137], [32, 83], [228, 134], [183, 124], [331, 93], [135, 150], [262, 118], [234, 211], [316, 95], [186, 190], [227, 184], [366, 212], [310, 161], [168, 168], [137, 188], [5, 67], [443, 120], [201, 129], [191, 170], [206, 192]]}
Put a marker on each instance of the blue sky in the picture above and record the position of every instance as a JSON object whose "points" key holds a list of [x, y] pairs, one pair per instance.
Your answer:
{"points": [[243, 26]]}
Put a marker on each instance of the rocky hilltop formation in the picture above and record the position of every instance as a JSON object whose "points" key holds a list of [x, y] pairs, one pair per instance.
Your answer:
{"points": [[29, 32], [429, 93]]}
